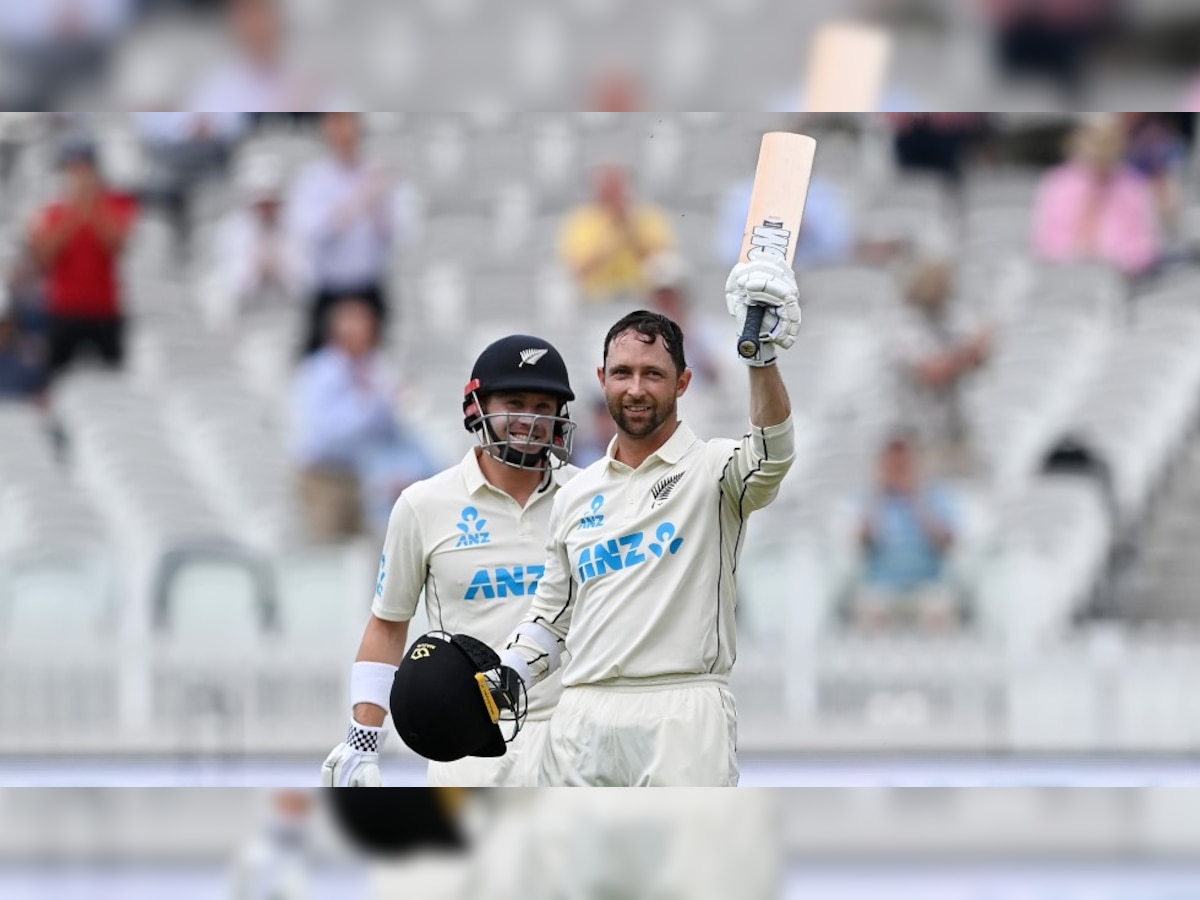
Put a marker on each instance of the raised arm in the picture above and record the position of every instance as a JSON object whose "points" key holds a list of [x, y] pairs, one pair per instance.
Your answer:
{"points": [[752, 473]]}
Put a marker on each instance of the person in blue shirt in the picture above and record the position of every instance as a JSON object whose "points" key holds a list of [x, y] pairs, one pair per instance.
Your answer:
{"points": [[354, 454], [827, 236], [906, 535]]}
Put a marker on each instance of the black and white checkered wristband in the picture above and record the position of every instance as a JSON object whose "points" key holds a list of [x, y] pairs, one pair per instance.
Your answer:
{"points": [[365, 740]]}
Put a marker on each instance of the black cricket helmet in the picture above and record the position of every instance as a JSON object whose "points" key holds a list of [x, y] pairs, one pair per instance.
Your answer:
{"points": [[520, 363], [445, 699]]}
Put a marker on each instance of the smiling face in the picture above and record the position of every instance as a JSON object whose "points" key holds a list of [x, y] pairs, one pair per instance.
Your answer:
{"points": [[641, 383], [523, 418]]}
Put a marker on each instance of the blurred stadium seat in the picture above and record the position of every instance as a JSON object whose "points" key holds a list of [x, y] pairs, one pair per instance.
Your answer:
{"points": [[186, 451]]}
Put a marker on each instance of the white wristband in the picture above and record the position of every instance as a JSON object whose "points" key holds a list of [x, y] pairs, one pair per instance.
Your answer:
{"points": [[371, 682]]}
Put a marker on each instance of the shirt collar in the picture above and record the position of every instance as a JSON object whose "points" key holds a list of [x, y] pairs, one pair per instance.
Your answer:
{"points": [[475, 480], [472, 473], [671, 452]]}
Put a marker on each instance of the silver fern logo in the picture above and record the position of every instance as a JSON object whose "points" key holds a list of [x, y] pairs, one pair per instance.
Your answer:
{"points": [[531, 356], [661, 492]]}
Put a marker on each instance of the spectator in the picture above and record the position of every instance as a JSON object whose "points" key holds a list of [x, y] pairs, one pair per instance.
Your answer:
{"points": [[907, 532], [1097, 207], [607, 242], [277, 861], [1158, 151], [186, 148], [260, 78], [257, 263], [826, 237], [936, 142], [78, 241], [22, 358], [1052, 39], [54, 46], [346, 433], [616, 91], [341, 212], [939, 347]]}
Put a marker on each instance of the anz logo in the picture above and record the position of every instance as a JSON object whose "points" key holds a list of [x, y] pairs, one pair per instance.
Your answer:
{"points": [[596, 519], [519, 581], [626, 552], [472, 528], [382, 575]]}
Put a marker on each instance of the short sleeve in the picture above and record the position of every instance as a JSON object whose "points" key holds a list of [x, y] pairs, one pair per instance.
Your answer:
{"points": [[403, 566]]}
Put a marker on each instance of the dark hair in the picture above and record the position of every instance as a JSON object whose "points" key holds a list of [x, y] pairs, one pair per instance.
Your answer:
{"points": [[77, 148], [650, 326]]}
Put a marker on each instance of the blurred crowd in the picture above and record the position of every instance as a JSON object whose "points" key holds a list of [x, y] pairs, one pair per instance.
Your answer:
{"points": [[278, 56], [323, 242]]}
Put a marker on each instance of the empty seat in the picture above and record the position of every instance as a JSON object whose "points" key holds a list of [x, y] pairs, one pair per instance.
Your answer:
{"points": [[214, 600]]}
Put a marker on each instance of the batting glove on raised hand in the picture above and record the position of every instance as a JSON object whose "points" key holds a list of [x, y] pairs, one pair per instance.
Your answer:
{"points": [[355, 762], [769, 283]]}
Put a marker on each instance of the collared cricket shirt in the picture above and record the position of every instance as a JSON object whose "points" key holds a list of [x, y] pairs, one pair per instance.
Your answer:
{"points": [[474, 554], [639, 580]]}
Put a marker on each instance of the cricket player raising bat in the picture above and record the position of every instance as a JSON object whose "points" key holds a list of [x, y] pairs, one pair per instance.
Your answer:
{"points": [[472, 539], [638, 587], [639, 584]]}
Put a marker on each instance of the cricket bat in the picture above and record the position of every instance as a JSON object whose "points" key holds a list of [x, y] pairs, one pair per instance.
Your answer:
{"points": [[847, 66], [785, 163]]}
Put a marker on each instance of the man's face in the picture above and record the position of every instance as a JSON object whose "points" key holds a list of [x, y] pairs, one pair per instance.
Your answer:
{"points": [[267, 209], [1101, 146], [898, 468], [82, 179], [342, 133], [611, 191], [256, 27], [641, 385], [353, 327], [522, 418]]}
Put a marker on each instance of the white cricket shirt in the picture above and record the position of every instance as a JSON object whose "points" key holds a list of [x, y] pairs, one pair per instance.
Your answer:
{"points": [[639, 580], [475, 554]]}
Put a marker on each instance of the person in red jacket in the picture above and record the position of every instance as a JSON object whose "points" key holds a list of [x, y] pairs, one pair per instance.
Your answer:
{"points": [[78, 241]]}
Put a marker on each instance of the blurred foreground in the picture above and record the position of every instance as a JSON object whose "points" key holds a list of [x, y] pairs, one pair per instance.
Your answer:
{"points": [[865, 843]]}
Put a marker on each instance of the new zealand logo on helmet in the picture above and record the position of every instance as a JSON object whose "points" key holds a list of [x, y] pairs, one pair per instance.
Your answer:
{"points": [[520, 363]]}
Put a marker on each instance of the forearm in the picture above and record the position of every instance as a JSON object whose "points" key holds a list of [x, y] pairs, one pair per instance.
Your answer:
{"points": [[112, 230], [534, 651], [48, 242], [769, 404], [383, 642]]}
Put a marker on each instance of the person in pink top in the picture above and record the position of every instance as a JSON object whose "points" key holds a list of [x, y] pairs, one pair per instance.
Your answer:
{"points": [[1095, 207]]}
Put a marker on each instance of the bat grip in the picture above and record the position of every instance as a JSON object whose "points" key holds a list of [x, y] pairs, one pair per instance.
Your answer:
{"points": [[748, 343]]}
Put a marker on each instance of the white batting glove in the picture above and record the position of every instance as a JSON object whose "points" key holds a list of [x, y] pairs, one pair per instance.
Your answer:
{"points": [[770, 283], [355, 762]]}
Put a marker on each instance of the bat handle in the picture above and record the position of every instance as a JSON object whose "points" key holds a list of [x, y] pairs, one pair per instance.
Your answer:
{"points": [[749, 341]]}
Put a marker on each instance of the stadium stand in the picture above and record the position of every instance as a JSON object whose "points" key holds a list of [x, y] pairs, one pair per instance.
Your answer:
{"points": [[162, 540]]}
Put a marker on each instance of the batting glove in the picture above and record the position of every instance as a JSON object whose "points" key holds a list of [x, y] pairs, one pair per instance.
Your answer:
{"points": [[355, 762], [770, 283]]}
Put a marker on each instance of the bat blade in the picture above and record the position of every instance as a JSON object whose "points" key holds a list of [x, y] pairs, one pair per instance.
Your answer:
{"points": [[847, 67], [785, 163], [781, 180]]}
